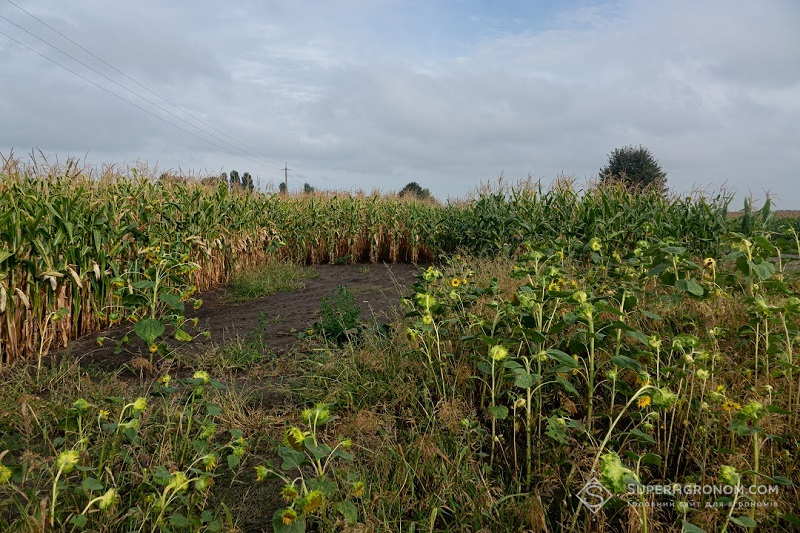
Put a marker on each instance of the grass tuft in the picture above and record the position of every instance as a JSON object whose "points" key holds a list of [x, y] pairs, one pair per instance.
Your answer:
{"points": [[268, 279]]}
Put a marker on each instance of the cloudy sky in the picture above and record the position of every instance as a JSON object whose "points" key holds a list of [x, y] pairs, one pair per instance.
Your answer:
{"points": [[377, 93]]}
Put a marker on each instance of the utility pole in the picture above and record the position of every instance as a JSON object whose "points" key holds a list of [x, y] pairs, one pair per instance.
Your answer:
{"points": [[286, 177]]}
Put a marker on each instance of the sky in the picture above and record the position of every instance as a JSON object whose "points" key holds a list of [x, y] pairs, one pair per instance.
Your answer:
{"points": [[374, 94]]}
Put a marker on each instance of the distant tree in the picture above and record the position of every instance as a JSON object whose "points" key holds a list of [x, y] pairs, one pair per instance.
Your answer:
{"points": [[247, 181], [235, 181], [414, 189], [282, 188], [308, 189], [635, 167]]}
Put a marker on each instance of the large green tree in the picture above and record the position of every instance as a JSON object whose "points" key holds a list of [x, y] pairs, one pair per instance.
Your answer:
{"points": [[415, 189], [635, 167]]}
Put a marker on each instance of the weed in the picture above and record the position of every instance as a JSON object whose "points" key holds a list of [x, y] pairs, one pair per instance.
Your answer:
{"points": [[338, 316]]}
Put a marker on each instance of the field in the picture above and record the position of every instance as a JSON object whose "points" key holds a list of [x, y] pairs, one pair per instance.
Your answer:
{"points": [[180, 356]]}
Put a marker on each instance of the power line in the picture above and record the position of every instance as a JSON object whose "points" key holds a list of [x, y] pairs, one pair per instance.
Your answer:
{"points": [[255, 150], [132, 92], [127, 101]]}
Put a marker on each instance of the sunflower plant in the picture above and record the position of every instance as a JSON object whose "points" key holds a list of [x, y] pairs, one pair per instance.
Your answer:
{"points": [[154, 295], [313, 483], [125, 465]]}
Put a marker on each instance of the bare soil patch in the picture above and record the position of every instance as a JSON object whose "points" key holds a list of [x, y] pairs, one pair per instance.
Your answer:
{"points": [[377, 289]]}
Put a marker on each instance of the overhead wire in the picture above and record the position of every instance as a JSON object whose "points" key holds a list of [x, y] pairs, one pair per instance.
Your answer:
{"points": [[134, 92], [128, 101], [112, 67]]}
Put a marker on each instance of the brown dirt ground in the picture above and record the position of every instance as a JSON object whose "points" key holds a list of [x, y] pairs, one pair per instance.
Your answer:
{"points": [[377, 289]]}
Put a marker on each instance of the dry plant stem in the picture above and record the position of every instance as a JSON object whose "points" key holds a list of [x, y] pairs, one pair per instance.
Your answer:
{"points": [[676, 412], [42, 341], [590, 409], [766, 350], [758, 338], [688, 407], [602, 446], [790, 359], [730, 512]]}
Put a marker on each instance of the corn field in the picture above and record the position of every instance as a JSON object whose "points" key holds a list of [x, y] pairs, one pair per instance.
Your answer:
{"points": [[71, 237], [499, 221]]}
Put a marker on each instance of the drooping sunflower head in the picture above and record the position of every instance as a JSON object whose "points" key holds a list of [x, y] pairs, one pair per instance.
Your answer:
{"points": [[295, 438], [289, 493], [288, 516], [314, 501]]}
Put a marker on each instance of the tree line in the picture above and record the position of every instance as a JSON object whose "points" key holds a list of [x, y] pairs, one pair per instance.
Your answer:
{"points": [[633, 166]]}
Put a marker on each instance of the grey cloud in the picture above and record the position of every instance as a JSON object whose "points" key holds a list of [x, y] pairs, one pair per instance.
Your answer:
{"points": [[347, 93]]}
